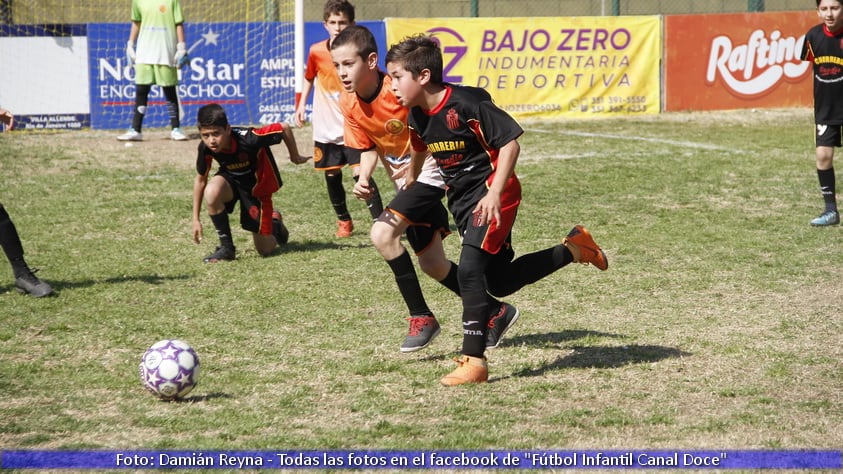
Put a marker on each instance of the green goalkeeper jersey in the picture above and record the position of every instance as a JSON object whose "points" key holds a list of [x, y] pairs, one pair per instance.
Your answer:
{"points": [[157, 37]]}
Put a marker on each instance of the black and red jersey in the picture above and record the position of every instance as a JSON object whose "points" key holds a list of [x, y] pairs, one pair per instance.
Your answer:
{"points": [[249, 163], [825, 50], [464, 134]]}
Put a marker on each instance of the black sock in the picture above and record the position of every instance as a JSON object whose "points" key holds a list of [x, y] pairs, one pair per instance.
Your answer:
{"points": [[506, 277], [10, 241], [451, 281], [474, 320], [408, 284], [473, 267], [141, 99], [827, 187], [172, 105], [223, 229], [336, 194], [279, 230]]}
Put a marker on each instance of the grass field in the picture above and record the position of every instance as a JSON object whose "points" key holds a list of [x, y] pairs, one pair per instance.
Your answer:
{"points": [[718, 324]]}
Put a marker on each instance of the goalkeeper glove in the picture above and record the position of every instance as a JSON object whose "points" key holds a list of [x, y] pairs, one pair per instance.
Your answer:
{"points": [[130, 53], [181, 57]]}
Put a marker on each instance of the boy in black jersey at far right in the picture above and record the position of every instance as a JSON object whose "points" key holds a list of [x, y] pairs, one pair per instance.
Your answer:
{"points": [[824, 48], [247, 174], [475, 146]]}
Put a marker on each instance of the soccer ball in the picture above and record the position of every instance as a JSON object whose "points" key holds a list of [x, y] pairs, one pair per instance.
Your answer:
{"points": [[169, 369]]}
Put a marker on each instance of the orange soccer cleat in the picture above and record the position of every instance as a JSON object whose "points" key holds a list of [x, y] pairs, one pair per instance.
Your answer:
{"points": [[583, 248], [344, 229], [469, 370]]}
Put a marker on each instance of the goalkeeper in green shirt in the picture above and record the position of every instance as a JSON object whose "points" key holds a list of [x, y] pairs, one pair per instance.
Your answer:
{"points": [[157, 27]]}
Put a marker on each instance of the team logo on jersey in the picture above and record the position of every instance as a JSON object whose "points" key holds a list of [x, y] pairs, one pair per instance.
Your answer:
{"points": [[162, 8], [453, 119], [394, 126]]}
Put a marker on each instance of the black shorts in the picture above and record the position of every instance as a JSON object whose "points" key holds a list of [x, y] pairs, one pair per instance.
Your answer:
{"points": [[330, 156], [255, 212], [828, 135], [421, 207]]}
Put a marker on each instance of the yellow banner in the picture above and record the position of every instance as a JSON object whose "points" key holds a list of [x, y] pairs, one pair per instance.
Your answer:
{"points": [[550, 67]]}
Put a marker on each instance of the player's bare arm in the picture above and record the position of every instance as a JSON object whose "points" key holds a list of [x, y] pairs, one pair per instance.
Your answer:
{"points": [[489, 207], [301, 109], [199, 184], [368, 163], [293, 148]]}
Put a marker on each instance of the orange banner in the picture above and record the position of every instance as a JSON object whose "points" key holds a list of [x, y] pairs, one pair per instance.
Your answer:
{"points": [[734, 61]]}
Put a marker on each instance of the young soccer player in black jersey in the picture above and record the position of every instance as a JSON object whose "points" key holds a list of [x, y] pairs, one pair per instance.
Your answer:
{"points": [[247, 173], [475, 145], [25, 280], [824, 48]]}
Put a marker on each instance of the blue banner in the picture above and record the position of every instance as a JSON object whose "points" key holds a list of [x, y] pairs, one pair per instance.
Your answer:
{"points": [[461, 460], [246, 67]]}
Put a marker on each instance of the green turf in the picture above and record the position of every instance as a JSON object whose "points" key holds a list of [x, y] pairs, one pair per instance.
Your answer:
{"points": [[717, 325]]}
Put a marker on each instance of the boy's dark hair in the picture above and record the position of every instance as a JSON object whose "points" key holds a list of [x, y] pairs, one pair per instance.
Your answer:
{"points": [[358, 36], [417, 53], [338, 7], [211, 115]]}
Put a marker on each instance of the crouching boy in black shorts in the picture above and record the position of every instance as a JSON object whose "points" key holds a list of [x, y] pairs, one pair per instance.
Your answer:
{"points": [[247, 173]]}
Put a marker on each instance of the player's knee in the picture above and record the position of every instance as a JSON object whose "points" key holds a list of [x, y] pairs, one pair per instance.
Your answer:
{"points": [[382, 235], [266, 250], [213, 195], [434, 267]]}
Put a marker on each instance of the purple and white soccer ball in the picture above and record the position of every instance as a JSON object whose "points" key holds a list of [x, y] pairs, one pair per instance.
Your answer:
{"points": [[169, 369]]}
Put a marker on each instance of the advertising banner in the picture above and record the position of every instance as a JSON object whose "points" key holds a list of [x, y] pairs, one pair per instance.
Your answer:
{"points": [[550, 67], [242, 66], [44, 76], [734, 61], [246, 67]]}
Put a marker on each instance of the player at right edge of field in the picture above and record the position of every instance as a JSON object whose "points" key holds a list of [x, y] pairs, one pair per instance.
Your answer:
{"points": [[475, 145], [824, 48]]}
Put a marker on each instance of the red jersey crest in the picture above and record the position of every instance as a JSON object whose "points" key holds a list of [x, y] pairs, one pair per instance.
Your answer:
{"points": [[453, 119]]}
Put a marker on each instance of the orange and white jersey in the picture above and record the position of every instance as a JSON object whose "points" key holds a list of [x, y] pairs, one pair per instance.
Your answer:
{"points": [[326, 115], [382, 124]]}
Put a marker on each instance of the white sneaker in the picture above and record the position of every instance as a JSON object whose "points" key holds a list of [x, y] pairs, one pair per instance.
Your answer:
{"points": [[178, 135], [131, 135]]}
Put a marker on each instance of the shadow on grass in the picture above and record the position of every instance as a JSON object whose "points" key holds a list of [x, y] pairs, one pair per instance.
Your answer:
{"points": [[534, 340], [545, 339], [202, 398], [59, 285], [601, 357], [311, 245]]}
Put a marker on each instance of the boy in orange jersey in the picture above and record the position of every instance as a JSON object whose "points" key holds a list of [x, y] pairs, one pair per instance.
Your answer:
{"points": [[329, 154], [375, 127], [247, 174]]}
